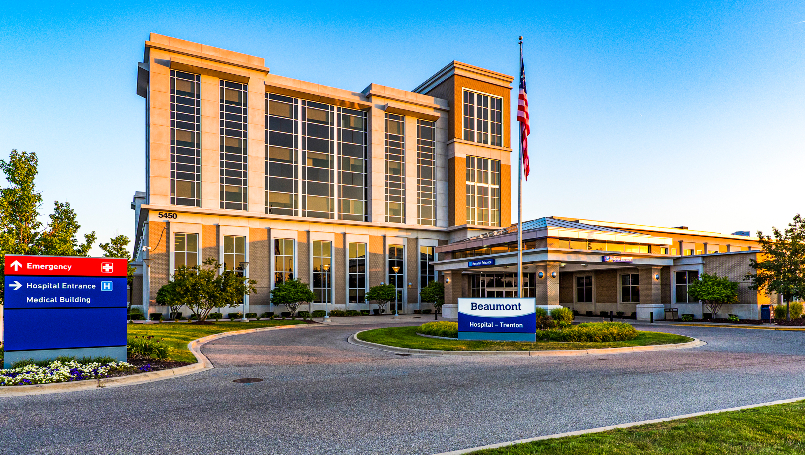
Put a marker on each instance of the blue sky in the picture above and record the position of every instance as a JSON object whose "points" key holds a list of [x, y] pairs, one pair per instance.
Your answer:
{"points": [[680, 113]]}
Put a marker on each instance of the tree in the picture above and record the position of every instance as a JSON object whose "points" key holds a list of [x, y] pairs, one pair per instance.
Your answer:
{"points": [[714, 292], [781, 268], [60, 237], [291, 293], [167, 296], [210, 286], [382, 294], [118, 248], [433, 293]]}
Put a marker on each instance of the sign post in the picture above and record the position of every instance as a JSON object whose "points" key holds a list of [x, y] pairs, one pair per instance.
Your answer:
{"points": [[497, 319], [64, 306]]}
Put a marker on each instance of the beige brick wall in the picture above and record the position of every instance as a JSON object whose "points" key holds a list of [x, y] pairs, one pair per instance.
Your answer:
{"points": [[412, 274], [566, 288], [158, 238], [736, 267], [606, 286], [137, 290], [457, 187], [454, 289], [340, 269], [665, 280], [377, 264], [259, 266], [303, 257]]}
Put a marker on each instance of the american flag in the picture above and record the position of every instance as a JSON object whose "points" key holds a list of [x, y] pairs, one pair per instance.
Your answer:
{"points": [[522, 117]]}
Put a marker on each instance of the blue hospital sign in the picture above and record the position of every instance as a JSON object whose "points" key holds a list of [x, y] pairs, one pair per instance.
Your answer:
{"points": [[106, 286], [497, 319]]}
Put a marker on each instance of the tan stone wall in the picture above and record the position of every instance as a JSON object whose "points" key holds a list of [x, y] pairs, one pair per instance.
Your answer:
{"points": [[339, 269], [650, 289], [736, 267], [137, 290], [455, 288], [377, 262], [506, 200], [457, 187], [158, 237], [566, 288], [159, 129], [303, 257], [259, 266], [606, 286], [665, 280], [209, 242], [412, 274], [446, 91]]}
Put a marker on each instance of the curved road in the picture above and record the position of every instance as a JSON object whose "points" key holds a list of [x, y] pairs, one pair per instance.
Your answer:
{"points": [[321, 395]]}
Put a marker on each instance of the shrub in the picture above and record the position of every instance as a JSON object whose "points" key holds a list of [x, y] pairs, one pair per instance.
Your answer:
{"points": [[796, 310], [365, 312], [427, 311], [446, 329], [575, 312], [303, 314], [155, 316], [543, 320], [382, 295], [215, 316], [233, 316], [620, 314], [136, 314], [192, 317], [176, 316], [147, 348], [285, 314], [687, 317], [779, 312], [734, 318], [603, 314], [319, 313], [588, 313], [292, 293], [353, 313], [251, 315], [591, 332], [267, 315], [562, 316]]}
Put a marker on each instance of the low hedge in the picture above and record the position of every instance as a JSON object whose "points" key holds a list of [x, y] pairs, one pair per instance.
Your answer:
{"points": [[440, 329], [251, 315], [595, 332], [303, 314], [319, 313]]}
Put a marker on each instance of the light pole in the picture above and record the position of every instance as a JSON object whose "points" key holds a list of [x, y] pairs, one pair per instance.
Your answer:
{"points": [[396, 269], [245, 266], [326, 268]]}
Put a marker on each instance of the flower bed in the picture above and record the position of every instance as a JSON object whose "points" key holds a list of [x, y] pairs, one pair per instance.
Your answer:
{"points": [[62, 371]]}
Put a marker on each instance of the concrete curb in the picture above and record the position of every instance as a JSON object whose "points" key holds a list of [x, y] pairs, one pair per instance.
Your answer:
{"points": [[194, 347], [614, 427], [353, 339]]}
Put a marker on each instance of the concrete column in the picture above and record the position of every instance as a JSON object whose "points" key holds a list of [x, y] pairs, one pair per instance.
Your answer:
{"points": [[548, 286], [650, 294], [453, 288]]}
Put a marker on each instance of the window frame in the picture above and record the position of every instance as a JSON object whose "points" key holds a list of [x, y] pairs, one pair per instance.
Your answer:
{"points": [[479, 123], [350, 274], [631, 286], [584, 288]]}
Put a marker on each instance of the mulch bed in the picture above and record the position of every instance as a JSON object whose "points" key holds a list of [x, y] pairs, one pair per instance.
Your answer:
{"points": [[793, 322], [148, 365]]}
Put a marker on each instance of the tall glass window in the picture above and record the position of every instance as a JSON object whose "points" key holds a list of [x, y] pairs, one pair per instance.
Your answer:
{"points": [[483, 118], [683, 280], [234, 252], [427, 271], [397, 271], [356, 279], [283, 260], [322, 270], [395, 168], [185, 139], [483, 191], [281, 154], [630, 288], [584, 289], [353, 175], [426, 170], [318, 137], [185, 250], [501, 285], [234, 163]]}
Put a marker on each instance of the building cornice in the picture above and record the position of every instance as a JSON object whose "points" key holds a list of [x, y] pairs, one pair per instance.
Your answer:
{"points": [[318, 93], [205, 52], [456, 68]]}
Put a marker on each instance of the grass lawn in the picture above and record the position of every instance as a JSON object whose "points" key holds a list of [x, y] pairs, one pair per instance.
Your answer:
{"points": [[768, 430], [406, 337], [177, 335]]}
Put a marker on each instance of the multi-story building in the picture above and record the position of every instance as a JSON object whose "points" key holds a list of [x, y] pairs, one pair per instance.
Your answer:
{"points": [[283, 178]]}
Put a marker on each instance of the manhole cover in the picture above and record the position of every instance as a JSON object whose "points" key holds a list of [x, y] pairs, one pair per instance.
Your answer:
{"points": [[247, 380]]}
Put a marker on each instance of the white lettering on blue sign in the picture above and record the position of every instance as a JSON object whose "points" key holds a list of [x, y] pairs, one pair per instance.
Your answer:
{"points": [[616, 259], [106, 285], [481, 262]]}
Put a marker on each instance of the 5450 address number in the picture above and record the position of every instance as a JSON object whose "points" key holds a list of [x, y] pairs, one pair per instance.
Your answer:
{"points": [[169, 215]]}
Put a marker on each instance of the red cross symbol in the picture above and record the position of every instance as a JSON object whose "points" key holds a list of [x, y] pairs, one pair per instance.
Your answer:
{"points": [[107, 267]]}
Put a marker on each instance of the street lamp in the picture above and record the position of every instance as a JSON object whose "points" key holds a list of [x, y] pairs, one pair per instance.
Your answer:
{"points": [[326, 268], [244, 266], [396, 270]]}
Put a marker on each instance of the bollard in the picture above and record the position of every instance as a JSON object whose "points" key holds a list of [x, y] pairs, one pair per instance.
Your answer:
{"points": [[610, 316], [652, 317]]}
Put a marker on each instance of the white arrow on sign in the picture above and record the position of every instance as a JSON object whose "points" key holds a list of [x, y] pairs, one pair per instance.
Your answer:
{"points": [[16, 285], [16, 266]]}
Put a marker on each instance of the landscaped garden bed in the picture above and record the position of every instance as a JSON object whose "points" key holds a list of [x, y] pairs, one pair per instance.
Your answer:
{"points": [[612, 335]]}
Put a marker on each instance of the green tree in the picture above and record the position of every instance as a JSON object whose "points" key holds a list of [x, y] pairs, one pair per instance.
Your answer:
{"points": [[714, 291], [210, 286], [433, 293], [382, 295], [781, 268], [291, 293], [168, 297], [118, 248], [60, 237]]}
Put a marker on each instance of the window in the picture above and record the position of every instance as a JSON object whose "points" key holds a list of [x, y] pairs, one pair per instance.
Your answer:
{"points": [[483, 118], [283, 260], [353, 169], [630, 288], [483, 191], [584, 289], [501, 285], [185, 250], [234, 152], [395, 168], [683, 280], [282, 170], [234, 252], [397, 271], [427, 271], [322, 263], [426, 168], [356, 279], [185, 139], [318, 151]]}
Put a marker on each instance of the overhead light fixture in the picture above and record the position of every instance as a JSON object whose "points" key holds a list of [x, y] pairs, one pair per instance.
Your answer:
{"points": [[553, 274], [541, 275]]}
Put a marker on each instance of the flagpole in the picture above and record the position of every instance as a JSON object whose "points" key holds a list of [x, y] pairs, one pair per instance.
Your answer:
{"points": [[520, 205]]}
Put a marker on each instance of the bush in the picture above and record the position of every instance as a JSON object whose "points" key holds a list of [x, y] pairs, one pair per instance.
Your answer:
{"points": [[303, 314], [267, 315], [338, 313], [234, 316], [562, 316], [147, 348], [598, 332], [285, 314], [365, 312], [603, 314], [440, 329], [589, 313], [687, 317], [796, 310], [575, 312], [176, 316], [251, 315], [427, 311], [192, 317], [543, 320], [620, 314], [319, 314], [779, 312], [155, 316], [734, 318], [353, 313], [215, 316]]}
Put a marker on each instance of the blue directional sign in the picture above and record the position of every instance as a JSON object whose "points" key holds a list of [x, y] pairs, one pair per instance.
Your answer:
{"points": [[29, 292]]}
